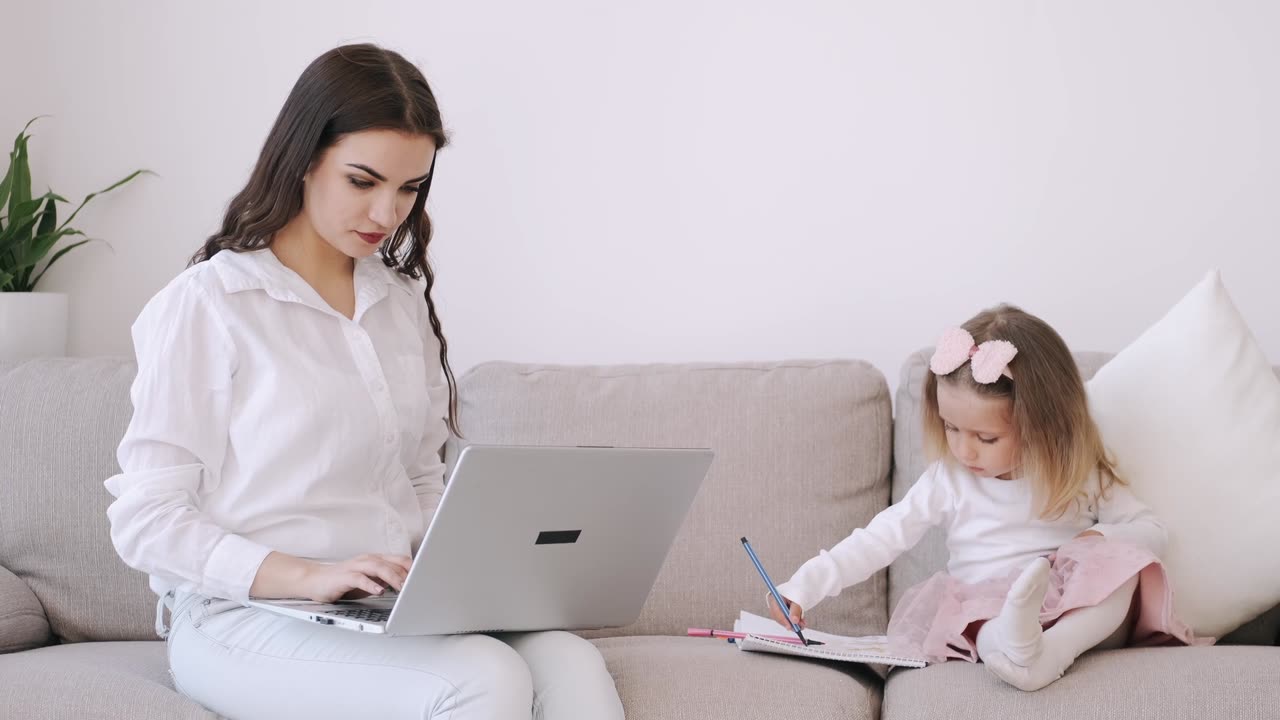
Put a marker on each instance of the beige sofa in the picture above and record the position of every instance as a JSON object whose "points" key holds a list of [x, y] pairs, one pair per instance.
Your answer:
{"points": [[805, 451]]}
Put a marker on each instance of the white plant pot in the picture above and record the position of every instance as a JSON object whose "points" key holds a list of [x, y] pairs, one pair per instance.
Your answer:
{"points": [[32, 324]]}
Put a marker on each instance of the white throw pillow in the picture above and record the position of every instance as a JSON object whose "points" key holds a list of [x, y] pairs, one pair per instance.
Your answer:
{"points": [[1191, 412]]}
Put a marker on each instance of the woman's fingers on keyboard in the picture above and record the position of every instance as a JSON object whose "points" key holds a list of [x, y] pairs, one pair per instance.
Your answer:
{"points": [[384, 571], [403, 561]]}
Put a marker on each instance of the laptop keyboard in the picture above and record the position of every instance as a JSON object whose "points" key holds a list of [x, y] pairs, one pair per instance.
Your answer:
{"points": [[362, 614]]}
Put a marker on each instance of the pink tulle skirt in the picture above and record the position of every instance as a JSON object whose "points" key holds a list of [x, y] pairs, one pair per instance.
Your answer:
{"points": [[939, 618]]}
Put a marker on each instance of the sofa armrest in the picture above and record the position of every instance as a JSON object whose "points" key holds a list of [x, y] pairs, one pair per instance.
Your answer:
{"points": [[23, 624]]}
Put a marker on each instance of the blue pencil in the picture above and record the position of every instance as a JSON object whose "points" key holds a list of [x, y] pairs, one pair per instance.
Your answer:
{"points": [[781, 603]]}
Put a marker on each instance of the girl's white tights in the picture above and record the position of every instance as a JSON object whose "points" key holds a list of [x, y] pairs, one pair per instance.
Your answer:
{"points": [[1015, 648]]}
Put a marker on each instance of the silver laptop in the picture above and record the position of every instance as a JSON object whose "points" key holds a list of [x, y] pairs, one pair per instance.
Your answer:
{"points": [[534, 538]]}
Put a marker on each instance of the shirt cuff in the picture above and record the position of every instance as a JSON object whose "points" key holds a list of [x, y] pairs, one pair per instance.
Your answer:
{"points": [[232, 566], [795, 591]]}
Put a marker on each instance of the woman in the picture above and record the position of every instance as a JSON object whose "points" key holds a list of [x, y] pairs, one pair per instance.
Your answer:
{"points": [[292, 397]]}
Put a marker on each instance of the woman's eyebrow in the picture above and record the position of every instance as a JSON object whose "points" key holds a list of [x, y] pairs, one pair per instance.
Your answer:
{"points": [[379, 176]]}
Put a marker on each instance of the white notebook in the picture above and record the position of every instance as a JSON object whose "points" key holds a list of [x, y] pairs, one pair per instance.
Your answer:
{"points": [[870, 649]]}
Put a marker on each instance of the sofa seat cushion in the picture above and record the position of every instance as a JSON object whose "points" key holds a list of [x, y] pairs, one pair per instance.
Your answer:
{"points": [[108, 680], [1178, 683], [660, 678]]}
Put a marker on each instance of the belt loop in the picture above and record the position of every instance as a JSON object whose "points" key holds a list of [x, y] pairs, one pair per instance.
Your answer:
{"points": [[162, 629]]}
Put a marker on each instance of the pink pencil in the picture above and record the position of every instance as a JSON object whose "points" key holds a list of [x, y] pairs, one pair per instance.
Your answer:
{"points": [[707, 632]]}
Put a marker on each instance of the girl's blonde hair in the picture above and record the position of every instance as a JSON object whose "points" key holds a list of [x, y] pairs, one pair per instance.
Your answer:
{"points": [[1060, 446]]}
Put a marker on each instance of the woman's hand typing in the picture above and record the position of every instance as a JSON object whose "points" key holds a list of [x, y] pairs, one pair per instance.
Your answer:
{"points": [[282, 576]]}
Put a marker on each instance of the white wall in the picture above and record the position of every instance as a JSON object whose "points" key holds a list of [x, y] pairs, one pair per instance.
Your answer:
{"points": [[700, 180]]}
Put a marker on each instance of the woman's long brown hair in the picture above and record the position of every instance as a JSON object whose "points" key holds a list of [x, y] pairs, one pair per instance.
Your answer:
{"points": [[346, 90]]}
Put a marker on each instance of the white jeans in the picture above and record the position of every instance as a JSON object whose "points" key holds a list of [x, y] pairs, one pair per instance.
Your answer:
{"points": [[242, 662]]}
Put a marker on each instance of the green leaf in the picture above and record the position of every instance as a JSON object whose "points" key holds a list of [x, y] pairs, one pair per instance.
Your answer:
{"points": [[26, 209], [34, 251], [16, 234], [115, 185], [45, 229], [58, 255], [4, 184], [48, 216], [20, 190], [32, 121], [26, 266], [20, 259], [12, 175]]}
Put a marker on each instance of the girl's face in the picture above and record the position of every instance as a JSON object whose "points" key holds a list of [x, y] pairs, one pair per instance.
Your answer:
{"points": [[363, 187], [980, 431]]}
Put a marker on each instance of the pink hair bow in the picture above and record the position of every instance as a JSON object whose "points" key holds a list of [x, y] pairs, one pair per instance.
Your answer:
{"points": [[988, 361]]}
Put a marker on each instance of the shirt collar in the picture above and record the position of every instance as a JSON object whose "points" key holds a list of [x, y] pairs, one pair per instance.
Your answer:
{"points": [[262, 270]]}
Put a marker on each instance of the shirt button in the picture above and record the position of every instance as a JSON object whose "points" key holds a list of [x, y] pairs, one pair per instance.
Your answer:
{"points": [[389, 438], [379, 387]]}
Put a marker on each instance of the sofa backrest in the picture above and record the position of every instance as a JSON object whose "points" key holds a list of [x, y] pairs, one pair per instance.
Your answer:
{"points": [[930, 555], [802, 457], [61, 420]]}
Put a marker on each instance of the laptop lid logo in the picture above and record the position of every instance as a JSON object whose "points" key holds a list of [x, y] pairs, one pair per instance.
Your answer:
{"points": [[557, 537]]}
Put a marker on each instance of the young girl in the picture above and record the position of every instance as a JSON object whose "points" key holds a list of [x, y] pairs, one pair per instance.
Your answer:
{"points": [[1050, 553], [292, 397]]}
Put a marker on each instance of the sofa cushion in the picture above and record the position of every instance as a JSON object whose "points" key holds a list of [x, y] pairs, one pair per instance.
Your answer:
{"points": [[1178, 683], [108, 680], [801, 458], [66, 417], [22, 622], [930, 555], [659, 678]]}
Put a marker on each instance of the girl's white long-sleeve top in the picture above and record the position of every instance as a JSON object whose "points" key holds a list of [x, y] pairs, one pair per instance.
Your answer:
{"points": [[991, 525], [265, 420]]}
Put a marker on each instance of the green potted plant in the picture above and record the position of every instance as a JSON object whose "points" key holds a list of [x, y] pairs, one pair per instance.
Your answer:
{"points": [[33, 324]]}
